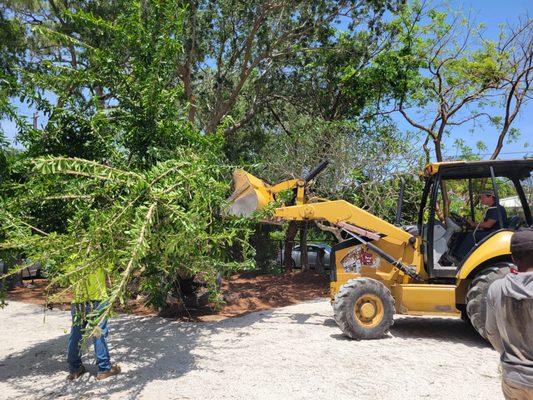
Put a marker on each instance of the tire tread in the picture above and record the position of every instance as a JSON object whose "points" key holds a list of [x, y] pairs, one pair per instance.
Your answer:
{"points": [[477, 295], [343, 306]]}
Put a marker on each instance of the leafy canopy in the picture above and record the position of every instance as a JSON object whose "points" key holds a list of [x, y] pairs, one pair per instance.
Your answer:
{"points": [[150, 227]]}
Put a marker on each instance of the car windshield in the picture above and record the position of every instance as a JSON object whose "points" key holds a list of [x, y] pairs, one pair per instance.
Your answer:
{"points": [[313, 247]]}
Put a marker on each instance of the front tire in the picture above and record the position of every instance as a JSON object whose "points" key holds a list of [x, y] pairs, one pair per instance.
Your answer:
{"points": [[476, 297], [364, 309]]}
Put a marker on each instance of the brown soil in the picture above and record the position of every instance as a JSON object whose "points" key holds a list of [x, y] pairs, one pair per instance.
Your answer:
{"points": [[245, 293], [242, 293], [34, 292]]}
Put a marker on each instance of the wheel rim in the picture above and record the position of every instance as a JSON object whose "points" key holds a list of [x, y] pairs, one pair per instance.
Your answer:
{"points": [[368, 310]]}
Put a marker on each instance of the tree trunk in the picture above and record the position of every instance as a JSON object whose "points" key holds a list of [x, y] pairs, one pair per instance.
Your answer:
{"points": [[501, 137], [304, 260], [288, 245], [443, 187], [331, 229]]}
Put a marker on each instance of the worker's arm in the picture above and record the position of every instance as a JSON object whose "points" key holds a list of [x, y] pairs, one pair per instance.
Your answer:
{"points": [[491, 326], [488, 224], [491, 217]]}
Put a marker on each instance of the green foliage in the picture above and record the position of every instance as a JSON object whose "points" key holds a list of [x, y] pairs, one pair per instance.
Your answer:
{"points": [[323, 76], [442, 72], [11, 58], [104, 78], [12, 47], [143, 105], [458, 193], [366, 161], [147, 227], [117, 88], [381, 197]]}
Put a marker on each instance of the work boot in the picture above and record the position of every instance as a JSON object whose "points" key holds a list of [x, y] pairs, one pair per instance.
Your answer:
{"points": [[76, 374], [114, 370]]}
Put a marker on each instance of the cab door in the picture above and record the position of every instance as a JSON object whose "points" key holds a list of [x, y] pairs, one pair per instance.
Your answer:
{"points": [[427, 227]]}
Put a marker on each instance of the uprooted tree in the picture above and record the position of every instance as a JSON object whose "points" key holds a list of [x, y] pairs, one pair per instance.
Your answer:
{"points": [[147, 229]]}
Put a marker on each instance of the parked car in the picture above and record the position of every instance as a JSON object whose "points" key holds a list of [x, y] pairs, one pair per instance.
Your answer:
{"points": [[11, 281], [32, 271], [315, 252]]}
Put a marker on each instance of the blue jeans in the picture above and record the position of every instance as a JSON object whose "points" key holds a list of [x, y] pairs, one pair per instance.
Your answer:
{"points": [[470, 241], [79, 312]]}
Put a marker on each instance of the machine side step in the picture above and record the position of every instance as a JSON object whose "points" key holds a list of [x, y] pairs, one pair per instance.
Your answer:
{"points": [[425, 299]]}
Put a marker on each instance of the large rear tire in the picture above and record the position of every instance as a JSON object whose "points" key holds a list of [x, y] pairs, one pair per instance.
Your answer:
{"points": [[364, 309], [476, 297]]}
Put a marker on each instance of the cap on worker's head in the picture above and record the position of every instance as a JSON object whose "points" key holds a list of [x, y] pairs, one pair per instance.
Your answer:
{"points": [[488, 192], [522, 247]]}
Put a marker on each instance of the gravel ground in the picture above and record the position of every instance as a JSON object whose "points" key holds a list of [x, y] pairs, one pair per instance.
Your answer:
{"points": [[295, 352]]}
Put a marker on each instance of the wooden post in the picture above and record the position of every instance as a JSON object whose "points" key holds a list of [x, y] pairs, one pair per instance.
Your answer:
{"points": [[304, 261], [292, 230]]}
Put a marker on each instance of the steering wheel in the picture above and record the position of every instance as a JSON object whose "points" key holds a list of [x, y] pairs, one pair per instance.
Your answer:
{"points": [[459, 220]]}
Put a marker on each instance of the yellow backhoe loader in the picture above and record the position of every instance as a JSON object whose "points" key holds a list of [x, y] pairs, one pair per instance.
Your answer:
{"points": [[381, 268]]}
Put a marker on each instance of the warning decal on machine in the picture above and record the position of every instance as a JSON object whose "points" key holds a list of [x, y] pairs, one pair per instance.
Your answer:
{"points": [[359, 257]]}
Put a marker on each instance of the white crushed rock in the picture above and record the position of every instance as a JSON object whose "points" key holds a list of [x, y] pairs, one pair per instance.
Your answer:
{"points": [[294, 352]]}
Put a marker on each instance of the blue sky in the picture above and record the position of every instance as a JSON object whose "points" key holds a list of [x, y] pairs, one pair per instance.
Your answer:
{"points": [[492, 13]]}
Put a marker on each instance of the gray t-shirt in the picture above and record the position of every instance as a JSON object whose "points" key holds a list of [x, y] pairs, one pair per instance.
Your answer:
{"points": [[509, 325]]}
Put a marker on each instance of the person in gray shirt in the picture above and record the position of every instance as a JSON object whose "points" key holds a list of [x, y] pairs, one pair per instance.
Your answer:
{"points": [[509, 319]]}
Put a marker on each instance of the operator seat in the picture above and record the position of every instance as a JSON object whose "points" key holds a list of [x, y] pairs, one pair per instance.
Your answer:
{"points": [[442, 236], [514, 222]]}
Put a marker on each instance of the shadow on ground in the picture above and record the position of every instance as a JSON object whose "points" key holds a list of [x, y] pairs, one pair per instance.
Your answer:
{"points": [[158, 349], [150, 348], [450, 330]]}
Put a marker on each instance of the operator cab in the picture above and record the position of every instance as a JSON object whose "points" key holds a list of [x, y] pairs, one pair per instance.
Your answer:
{"points": [[453, 215]]}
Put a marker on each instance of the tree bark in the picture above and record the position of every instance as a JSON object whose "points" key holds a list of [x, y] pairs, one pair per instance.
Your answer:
{"points": [[186, 73], [335, 231], [304, 259], [288, 245], [443, 186]]}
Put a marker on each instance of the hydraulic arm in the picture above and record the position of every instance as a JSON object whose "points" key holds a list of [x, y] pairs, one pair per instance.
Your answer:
{"points": [[252, 193]]}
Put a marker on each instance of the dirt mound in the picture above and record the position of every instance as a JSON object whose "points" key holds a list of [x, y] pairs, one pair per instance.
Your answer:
{"points": [[242, 293]]}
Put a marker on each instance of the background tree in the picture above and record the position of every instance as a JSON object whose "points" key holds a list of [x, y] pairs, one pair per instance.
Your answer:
{"points": [[107, 87], [457, 74], [232, 49], [454, 76], [515, 89], [12, 44], [319, 112]]}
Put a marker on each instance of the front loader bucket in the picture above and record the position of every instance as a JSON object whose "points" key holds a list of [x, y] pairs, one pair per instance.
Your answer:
{"points": [[250, 194]]}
